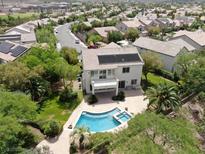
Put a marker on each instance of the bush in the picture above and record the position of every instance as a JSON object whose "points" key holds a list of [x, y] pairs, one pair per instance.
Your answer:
{"points": [[119, 97], [51, 128], [68, 95], [70, 55], [73, 148], [167, 75], [92, 99]]}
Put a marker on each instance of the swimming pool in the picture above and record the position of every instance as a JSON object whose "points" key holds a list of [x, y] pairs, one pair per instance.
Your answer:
{"points": [[99, 122], [124, 116]]}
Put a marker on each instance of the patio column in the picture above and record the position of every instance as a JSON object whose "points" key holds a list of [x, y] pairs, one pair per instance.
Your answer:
{"points": [[117, 87], [93, 88]]}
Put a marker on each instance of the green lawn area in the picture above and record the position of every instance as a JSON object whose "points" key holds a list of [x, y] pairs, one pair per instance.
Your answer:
{"points": [[53, 109], [21, 15], [154, 79]]}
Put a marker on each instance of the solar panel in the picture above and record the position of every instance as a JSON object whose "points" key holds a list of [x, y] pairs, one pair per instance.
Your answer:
{"points": [[5, 47], [18, 51], [121, 58]]}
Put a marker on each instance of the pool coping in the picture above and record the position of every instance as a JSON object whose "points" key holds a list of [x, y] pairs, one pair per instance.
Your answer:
{"points": [[122, 124]]}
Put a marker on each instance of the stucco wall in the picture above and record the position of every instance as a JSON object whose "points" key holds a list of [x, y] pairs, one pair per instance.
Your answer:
{"points": [[168, 61], [135, 73]]}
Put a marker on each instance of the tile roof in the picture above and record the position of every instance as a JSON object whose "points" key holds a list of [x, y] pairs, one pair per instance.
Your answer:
{"points": [[103, 31], [167, 48], [91, 58]]}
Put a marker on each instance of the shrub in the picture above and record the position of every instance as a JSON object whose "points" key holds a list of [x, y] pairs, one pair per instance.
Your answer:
{"points": [[92, 99], [167, 75], [68, 95], [119, 97], [73, 148], [51, 128]]}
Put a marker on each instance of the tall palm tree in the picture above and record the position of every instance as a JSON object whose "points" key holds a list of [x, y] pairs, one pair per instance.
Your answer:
{"points": [[80, 138], [163, 98]]}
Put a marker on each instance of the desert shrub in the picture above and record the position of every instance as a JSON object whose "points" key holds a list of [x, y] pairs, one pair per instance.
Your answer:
{"points": [[92, 99]]}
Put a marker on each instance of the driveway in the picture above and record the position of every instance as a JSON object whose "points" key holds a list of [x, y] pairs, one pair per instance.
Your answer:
{"points": [[67, 39], [134, 101]]}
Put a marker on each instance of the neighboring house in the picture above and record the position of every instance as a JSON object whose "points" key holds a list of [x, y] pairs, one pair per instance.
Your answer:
{"points": [[164, 22], [10, 51], [111, 69], [146, 22], [196, 39], [103, 31], [167, 51], [125, 25], [112, 45], [26, 32], [180, 21]]}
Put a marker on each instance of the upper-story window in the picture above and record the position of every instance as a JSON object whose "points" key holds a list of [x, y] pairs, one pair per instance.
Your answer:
{"points": [[102, 74], [94, 73], [125, 70]]}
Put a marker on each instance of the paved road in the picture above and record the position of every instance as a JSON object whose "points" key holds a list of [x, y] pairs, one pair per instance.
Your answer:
{"points": [[67, 39]]}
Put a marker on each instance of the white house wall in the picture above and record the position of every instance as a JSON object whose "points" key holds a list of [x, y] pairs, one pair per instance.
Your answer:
{"points": [[135, 73]]}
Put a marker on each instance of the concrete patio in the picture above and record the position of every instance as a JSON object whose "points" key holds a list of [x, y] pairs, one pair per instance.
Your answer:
{"points": [[134, 102]]}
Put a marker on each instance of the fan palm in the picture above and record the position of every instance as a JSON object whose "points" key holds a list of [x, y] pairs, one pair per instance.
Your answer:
{"points": [[80, 138], [163, 98]]}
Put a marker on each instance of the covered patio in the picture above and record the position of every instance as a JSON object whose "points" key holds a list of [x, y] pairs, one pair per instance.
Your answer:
{"points": [[104, 85]]}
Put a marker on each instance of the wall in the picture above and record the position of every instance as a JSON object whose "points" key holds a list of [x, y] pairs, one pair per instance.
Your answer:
{"points": [[135, 73], [168, 61]]}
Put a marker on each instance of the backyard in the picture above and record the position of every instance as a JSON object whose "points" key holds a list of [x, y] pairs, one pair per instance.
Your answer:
{"points": [[53, 109], [154, 79]]}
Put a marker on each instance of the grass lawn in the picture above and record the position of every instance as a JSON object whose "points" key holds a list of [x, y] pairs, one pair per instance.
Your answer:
{"points": [[21, 15], [53, 109], [154, 79]]}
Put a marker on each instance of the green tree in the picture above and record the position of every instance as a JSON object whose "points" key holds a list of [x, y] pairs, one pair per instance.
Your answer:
{"points": [[17, 105], [163, 98], [9, 142], [153, 31], [38, 88], [114, 36], [96, 23], [51, 128], [132, 34], [67, 72], [151, 63], [15, 75], [93, 38], [45, 34], [70, 55], [183, 63]]}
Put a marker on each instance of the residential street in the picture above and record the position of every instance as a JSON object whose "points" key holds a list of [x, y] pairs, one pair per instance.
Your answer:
{"points": [[67, 39]]}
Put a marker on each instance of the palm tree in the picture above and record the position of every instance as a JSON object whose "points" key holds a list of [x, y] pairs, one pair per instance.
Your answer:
{"points": [[163, 98], [80, 138]]}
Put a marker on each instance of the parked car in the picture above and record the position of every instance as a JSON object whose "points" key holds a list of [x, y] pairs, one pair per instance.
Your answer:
{"points": [[77, 41]]}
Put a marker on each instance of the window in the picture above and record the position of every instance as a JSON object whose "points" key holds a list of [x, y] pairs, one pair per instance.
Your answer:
{"points": [[125, 70], [109, 72], [134, 81], [94, 73], [102, 74]]}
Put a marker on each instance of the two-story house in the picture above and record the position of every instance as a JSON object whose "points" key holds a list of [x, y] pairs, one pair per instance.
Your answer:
{"points": [[111, 69]]}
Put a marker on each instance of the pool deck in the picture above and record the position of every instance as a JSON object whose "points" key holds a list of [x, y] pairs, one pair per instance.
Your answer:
{"points": [[134, 102]]}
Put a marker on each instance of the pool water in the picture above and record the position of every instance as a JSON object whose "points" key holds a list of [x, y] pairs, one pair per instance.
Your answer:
{"points": [[98, 122], [124, 116]]}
